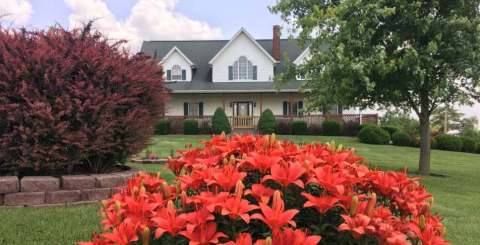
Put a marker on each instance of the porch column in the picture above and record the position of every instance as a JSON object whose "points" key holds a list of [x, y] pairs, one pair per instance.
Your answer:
{"points": [[290, 114], [223, 101], [261, 103]]}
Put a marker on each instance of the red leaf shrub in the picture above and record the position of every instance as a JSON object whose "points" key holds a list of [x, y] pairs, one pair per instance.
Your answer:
{"points": [[256, 190], [71, 97]]}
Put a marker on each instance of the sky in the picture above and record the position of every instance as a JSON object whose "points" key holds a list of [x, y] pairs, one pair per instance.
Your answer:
{"points": [[139, 20]]}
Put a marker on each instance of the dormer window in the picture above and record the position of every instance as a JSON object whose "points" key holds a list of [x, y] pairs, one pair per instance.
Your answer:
{"points": [[242, 69], [176, 73]]}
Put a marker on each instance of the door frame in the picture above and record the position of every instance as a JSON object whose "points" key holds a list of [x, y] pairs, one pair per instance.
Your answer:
{"points": [[236, 106]]}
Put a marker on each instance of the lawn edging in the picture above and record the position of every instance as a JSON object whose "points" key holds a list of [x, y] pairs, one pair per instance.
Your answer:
{"points": [[64, 190]]}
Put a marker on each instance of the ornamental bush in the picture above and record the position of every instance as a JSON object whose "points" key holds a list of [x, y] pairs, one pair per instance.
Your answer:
{"points": [[283, 127], [71, 98], [331, 128], [350, 128], [448, 142], [373, 135], [266, 122], [162, 127], [469, 144], [299, 128], [401, 139], [249, 190], [220, 122], [390, 130], [190, 127]]}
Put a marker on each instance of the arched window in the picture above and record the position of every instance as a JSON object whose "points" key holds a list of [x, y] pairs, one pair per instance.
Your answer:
{"points": [[176, 72], [242, 69]]}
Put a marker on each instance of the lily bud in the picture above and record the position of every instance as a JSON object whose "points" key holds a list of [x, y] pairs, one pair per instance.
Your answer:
{"points": [[222, 134], [165, 189], [232, 159], [146, 236], [268, 241], [239, 190], [183, 199], [142, 190], [371, 203], [178, 189], [421, 222], [277, 199], [273, 138], [353, 208], [118, 206], [430, 201], [135, 191], [104, 203], [170, 205], [225, 161], [157, 175]]}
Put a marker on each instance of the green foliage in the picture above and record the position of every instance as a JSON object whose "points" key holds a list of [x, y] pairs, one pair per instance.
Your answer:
{"points": [[284, 127], [220, 122], [390, 130], [373, 135], [469, 144], [402, 121], [454, 117], [448, 142], [299, 127], [351, 128], [267, 122], [331, 128], [162, 127], [401, 139], [190, 127]]}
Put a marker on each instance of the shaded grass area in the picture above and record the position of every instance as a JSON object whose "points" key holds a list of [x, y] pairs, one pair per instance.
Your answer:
{"points": [[457, 195]]}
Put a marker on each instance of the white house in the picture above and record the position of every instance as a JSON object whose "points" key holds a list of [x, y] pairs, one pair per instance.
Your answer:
{"points": [[236, 75]]}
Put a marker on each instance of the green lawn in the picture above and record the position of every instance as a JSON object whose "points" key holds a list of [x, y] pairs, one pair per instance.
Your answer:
{"points": [[457, 195]]}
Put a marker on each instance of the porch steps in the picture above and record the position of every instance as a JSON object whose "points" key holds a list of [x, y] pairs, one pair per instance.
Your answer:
{"points": [[244, 131]]}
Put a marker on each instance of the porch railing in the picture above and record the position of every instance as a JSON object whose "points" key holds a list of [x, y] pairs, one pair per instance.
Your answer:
{"points": [[204, 122]]}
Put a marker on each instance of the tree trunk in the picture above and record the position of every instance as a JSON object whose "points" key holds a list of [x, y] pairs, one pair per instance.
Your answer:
{"points": [[425, 144]]}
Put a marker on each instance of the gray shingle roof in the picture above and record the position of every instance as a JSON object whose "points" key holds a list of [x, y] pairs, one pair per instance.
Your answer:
{"points": [[200, 52]]}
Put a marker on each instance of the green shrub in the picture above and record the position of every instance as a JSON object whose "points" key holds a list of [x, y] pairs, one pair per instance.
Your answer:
{"points": [[284, 127], [350, 128], [267, 122], [390, 130], [401, 139], [220, 122], [314, 129], [331, 128], [361, 126], [374, 135], [448, 142], [190, 127], [469, 144], [299, 127], [162, 127]]}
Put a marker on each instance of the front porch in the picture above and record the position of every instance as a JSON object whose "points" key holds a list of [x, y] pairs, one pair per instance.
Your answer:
{"points": [[250, 122]]}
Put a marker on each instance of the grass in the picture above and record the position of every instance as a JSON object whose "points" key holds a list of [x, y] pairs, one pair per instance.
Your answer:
{"points": [[457, 197]]}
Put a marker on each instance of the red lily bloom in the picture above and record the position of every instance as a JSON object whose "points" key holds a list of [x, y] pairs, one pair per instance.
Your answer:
{"points": [[286, 174], [260, 162], [227, 177], [322, 203], [261, 193], [124, 234], [290, 237], [332, 182], [242, 239], [359, 225], [234, 208], [275, 217], [204, 234], [167, 220]]}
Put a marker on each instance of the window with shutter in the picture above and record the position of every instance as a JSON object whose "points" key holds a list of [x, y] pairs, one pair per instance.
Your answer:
{"points": [[169, 75], [300, 107], [285, 108], [254, 73], [200, 109], [185, 109], [176, 72], [184, 75], [230, 73]]}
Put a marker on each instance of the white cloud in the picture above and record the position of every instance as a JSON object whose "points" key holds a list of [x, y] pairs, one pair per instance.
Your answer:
{"points": [[16, 12], [148, 20]]}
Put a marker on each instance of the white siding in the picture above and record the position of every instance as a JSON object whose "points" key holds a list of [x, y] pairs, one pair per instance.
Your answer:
{"points": [[242, 46], [177, 59]]}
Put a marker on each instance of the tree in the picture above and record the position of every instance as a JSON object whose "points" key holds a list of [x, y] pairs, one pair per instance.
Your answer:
{"points": [[446, 116], [266, 122], [408, 54], [220, 122]]}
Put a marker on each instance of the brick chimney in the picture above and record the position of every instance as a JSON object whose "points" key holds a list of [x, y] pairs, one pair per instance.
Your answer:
{"points": [[276, 43]]}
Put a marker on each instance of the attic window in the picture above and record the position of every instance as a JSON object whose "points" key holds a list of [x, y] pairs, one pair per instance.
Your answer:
{"points": [[176, 72], [242, 69]]}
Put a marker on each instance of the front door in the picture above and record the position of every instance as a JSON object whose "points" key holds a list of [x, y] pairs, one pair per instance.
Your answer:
{"points": [[243, 109], [243, 115]]}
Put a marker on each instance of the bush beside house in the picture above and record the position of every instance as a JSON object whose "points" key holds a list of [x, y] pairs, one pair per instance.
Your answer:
{"points": [[162, 127], [299, 128], [374, 135], [331, 128], [400, 138], [266, 122], [190, 127], [220, 122], [448, 142]]}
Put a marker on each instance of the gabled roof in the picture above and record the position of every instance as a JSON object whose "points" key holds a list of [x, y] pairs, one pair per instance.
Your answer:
{"points": [[242, 31], [176, 49], [301, 57]]}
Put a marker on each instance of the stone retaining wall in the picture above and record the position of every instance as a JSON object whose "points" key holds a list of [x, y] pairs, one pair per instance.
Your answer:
{"points": [[47, 190]]}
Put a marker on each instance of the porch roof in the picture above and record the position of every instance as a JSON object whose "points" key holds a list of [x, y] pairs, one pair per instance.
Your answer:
{"points": [[233, 87]]}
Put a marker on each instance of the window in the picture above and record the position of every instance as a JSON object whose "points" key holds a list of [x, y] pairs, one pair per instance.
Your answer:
{"points": [[242, 69], [294, 108], [176, 74], [193, 109]]}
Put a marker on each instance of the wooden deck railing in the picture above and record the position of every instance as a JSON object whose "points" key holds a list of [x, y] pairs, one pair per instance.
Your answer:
{"points": [[204, 122]]}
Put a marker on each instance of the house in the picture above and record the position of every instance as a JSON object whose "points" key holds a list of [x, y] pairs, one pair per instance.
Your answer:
{"points": [[237, 75]]}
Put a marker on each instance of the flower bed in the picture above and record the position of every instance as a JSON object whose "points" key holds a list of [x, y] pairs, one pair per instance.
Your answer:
{"points": [[66, 189], [258, 190]]}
